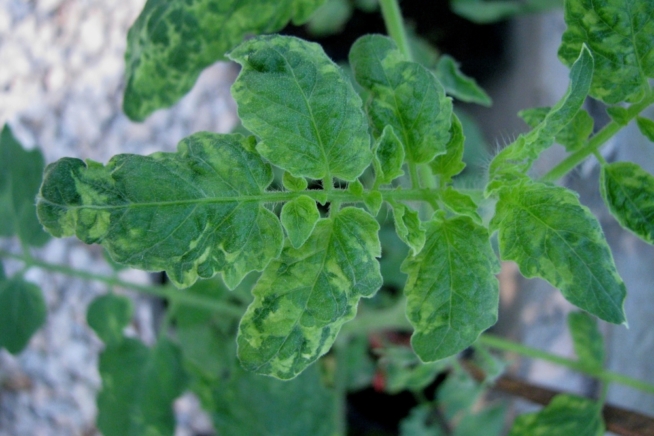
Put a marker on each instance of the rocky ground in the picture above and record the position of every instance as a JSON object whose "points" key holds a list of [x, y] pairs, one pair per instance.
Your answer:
{"points": [[61, 82]]}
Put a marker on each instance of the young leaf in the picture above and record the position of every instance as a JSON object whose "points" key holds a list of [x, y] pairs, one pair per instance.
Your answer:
{"points": [[139, 385], [452, 293], [405, 95], [587, 339], [646, 127], [20, 177], [460, 203], [618, 114], [628, 191], [193, 213], [619, 33], [404, 371], [294, 183], [565, 415], [549, 234], [172, 41], [388, 157], [304, 297], [491, 419], [373, 201], [409, 227], [303, 108], [458, 84], [518, 157], [458, 393], [451, 163], [22, 313], [299, 217], [572, 136], [108, 315]]}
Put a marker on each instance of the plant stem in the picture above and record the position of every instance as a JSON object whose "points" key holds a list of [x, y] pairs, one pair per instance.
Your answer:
{"points": [[599, 373], [413, 174], [395, 26], [594, 143], [167, 292]]}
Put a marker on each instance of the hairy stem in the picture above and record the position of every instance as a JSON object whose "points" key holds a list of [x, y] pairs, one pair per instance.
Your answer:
{"points": [[594, 143], [395, 26], [167, 292]]}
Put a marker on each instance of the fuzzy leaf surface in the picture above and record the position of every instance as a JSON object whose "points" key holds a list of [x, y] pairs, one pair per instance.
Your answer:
{"points": [[452, 293], [192, 213], [646, 127], [108, 315], [302, 107], [628, 191], [22, 313], [139, 385], [619, 33], [172, 41], [405, 95], [517, 158], [587, 339], [458, 84], [306, 295], [20, 177], [573, 135], [549, 234], [565, 415], [299, 217]]}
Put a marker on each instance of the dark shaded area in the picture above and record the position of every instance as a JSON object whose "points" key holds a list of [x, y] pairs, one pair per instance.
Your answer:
{"points": [[479, 48]]}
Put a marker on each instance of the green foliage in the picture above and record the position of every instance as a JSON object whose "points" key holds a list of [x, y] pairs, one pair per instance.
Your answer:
{"points": [[171, 42], [619, 33], [549, 234], [628, 191], [566, 414], [489, 11], [452, 293], [646, 127], [219, 207], [306, 295]]}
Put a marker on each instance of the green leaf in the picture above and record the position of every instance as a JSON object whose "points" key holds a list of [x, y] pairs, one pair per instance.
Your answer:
{"points": [[294, 183], [193, 213], [628, 191], [408, 227], [516, 159], [458, 84], [299, 217], [490, 419], [388, 157], [485, 12], [404, 371], [619, 114], [565, 415], [451, 163], [249, 404], [3, 276], [452, 293], [108, 315], [572, 136], [330, 18], [420, 422], [458, 394], [304, 297], [22, 313], [302, 107], [646, 127], [172, 41], [549, 234], [20, 177], [619, 33], [139, 385], [405, 95], [459, 203], [587, 339], [373, 201]]}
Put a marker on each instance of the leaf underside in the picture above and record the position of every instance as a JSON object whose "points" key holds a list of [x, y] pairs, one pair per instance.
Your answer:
{"points": [[193, 213], [452, 293], [306, 295]]}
